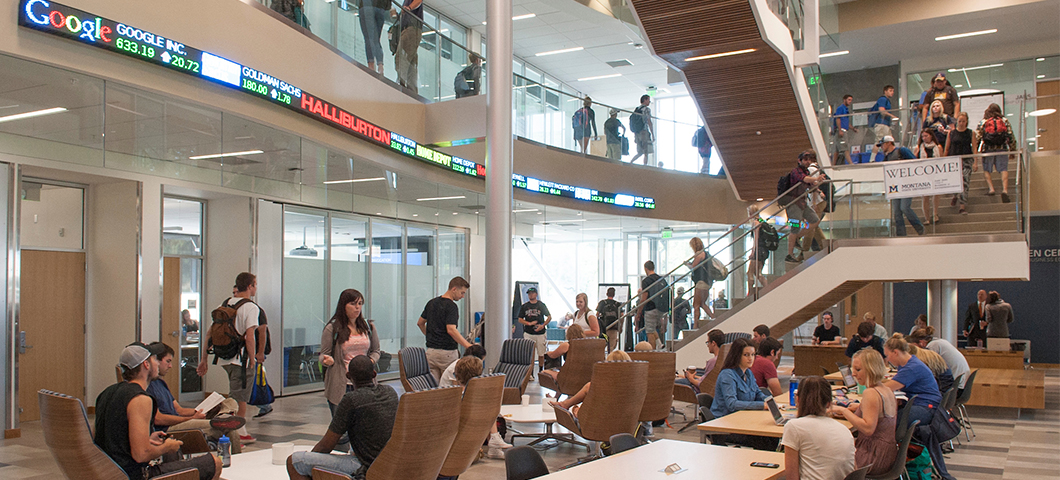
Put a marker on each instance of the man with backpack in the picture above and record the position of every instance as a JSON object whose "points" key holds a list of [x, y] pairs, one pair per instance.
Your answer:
{"points": [[584, 121], [231, 336], [654, 302], [702, 142], [614, 137], [608, 311], [468, 82], [995, 135], [800, 210], [641, 126]]}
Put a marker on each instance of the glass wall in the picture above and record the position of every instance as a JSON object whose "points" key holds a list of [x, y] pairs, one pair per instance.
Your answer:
{"points": [[182, 221], [392, 263]]}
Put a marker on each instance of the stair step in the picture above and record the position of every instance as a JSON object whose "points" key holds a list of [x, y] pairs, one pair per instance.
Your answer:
{"points": [[971, 227], [977, 217]]}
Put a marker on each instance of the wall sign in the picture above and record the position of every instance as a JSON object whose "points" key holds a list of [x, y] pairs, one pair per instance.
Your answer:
{"points": [[918, 178], [68, 22]]}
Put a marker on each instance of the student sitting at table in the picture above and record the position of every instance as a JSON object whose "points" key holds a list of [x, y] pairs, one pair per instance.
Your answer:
{"points": [[816, 447], [866, 338], [764, 370], [934, 361], [571, 403], [915, 379], [827, 333], [554, 359], [874, 417], [468, 367], [715, 339], [925, 338], [736, 388], [366, 413]]}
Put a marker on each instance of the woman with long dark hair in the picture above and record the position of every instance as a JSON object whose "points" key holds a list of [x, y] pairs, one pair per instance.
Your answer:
{"points": [[347, 335], [816, 447], [735, 388]]}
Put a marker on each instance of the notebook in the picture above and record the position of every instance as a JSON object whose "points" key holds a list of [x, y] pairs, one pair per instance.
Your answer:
{"points": [[778, 418]]}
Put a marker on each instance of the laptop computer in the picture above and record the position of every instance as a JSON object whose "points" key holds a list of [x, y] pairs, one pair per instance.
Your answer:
{"points": [[998, 344], [848, 377], [778, 418]]}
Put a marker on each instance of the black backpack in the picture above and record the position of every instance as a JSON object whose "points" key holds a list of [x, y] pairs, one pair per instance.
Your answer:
{"points": [[768, 238], [658, 284], [783, 185], [636, 120], [608, 312], [224, 341], [393, 35]]}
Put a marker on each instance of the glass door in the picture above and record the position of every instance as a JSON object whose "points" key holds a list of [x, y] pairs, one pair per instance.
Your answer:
{"points": [[304, 300], [386, 305], [182, 244]]}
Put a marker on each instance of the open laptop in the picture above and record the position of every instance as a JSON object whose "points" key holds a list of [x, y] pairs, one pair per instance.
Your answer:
{"points": [[778, 418], [848, 377]]}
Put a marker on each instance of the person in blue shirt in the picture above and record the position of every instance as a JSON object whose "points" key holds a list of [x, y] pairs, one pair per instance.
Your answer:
{"points": [[916, 380], [840, 126], [735, 388], [901, 208], [880, 118]]}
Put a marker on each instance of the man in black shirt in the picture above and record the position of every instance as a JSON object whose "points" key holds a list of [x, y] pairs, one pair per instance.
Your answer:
{"points": [[608, 311], [438, 322], [534, 316], [866, 338], [975, 314], [826, 334], [125, 414], [366, 414]]}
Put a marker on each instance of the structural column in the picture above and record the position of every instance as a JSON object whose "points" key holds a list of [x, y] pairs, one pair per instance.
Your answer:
{"points": [[498, 175], [942, 308]]}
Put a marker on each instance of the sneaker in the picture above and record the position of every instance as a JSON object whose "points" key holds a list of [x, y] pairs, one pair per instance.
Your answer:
{"points": [[963, 211], [247, 439], [953, 201], [227, 423], [264, 410], [495, 453], [496, 441], [1004, 197], [790, 259]]}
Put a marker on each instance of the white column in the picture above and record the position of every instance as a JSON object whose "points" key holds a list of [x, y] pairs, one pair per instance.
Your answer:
{"points": [[498, 175], [934, 304], [949, 310]]}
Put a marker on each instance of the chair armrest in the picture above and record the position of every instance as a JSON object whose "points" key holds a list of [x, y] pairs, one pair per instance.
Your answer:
{"points": [[567, 419], [186, 474], [194, 441]]}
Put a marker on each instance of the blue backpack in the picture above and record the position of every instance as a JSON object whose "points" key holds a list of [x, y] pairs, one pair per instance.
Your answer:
{"points": [[580, 118], [636, 120]]}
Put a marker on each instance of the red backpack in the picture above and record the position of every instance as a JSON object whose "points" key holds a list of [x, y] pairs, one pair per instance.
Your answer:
{"points": [[995, 132]]}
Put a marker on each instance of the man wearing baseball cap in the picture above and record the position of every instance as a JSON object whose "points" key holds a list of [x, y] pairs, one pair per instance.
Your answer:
{"points": [[901, 208], [614, 139], [534, 315], [124, 418], [942, 91]]}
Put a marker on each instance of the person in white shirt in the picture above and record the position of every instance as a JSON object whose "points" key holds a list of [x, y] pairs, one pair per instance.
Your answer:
{"points": [[816, 446], [585, 317], [925, 338]]}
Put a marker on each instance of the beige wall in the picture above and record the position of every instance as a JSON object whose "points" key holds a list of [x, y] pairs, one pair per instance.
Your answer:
{"points": [[875, 13], [1045, 182], [53, 221], [228, 234]]}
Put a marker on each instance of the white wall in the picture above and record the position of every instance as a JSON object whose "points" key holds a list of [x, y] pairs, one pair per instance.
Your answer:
{"points": [[227, 255], [111, 280], [53, 221], [896, 260]]}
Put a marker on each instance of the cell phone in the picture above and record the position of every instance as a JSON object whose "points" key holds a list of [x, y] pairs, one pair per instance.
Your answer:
{"points": [[765, 465]]}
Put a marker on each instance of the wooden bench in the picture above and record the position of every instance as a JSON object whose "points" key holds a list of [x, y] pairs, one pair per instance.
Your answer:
{"points": [[995, 387], [978, 358]]}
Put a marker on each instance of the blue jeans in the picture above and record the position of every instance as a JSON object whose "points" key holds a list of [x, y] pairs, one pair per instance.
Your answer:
{"points": [[926, 436], [372, 27], [304, 462], [900, 210]]}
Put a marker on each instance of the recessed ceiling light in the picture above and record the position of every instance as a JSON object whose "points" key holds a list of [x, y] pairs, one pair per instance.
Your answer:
{"points": [[1041, 113], [979, 91], [454, 213], [1040, 59], [1041, 76], [601, 228], [519, 17], [958, 85], [562, 50], [980, 67], [833, 54], [525, 210], [613, 75], [354, 180], [431, 199], [36, 113], [759, 199], [723, 54], [222, 155], [963, 35]]}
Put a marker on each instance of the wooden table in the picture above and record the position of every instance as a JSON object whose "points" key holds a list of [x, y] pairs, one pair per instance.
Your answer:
{"points": [[534, 413], [257, 465], [810, 358], [758, 423], [698, 460], [997, 387], [995, 359]]}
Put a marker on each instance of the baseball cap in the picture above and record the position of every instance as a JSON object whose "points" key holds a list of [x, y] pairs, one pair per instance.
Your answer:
{"points": [[133, 355], [531, 290], [939, 76], [612, 112], [885, 139]]}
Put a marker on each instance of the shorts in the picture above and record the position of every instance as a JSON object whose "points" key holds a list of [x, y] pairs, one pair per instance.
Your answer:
{"points": [[614, 151], [303, 462], [701, 285], [540, 342], [995, 163], [236, 390], [796, 212], [881, 129], [760, 255], [579, 132], [653, 321], [840, 143], [644, 143]]}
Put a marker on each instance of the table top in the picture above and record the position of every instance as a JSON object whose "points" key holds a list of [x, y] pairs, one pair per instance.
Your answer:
{"points": [[699, 460], [985, 352], [811, 347], [758, 423], [257, 465], [532, 413]]}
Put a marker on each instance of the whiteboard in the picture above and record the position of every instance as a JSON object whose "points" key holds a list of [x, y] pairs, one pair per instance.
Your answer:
{"points": [[975, 105]]}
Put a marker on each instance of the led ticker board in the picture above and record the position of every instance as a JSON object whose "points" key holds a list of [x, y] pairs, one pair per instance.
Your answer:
{"points": [[64, 21]]}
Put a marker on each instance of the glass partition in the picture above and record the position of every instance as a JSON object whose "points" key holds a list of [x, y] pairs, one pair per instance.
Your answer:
{"points": [[420, 259], [386, 304], [304, 295], [182, 221]]}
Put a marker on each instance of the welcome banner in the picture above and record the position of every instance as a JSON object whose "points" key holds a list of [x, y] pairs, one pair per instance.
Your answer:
{"points": [[920, 178]]}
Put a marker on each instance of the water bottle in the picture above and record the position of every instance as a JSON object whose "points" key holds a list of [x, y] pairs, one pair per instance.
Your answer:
{"points": [[792, 387], [225, 446]]}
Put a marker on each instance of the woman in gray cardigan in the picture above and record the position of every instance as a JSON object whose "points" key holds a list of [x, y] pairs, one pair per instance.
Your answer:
{"points": [[998, 316], [347, 335]]}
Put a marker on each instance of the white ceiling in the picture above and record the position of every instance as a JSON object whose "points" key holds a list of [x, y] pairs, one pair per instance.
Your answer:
{"points": [[563, 24], [888, 45]]}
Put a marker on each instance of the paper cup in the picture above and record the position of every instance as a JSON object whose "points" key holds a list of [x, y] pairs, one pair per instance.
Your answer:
{"points": [[280, 452], [545, 406], [525, 400]]}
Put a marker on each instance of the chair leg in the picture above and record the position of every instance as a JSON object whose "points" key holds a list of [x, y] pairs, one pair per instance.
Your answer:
{"points": [[966, 421]]}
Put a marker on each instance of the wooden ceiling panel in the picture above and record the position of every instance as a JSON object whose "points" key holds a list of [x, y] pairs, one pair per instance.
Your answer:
{"points": [[747, 100]]}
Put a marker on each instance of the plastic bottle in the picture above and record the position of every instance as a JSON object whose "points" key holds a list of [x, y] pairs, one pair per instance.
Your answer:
{"points": [[792, 387], [225, 446]]}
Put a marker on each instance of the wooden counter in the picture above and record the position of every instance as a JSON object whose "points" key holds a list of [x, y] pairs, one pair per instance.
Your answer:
{"points": [[810, 358], [996, 387], [978, 358]]}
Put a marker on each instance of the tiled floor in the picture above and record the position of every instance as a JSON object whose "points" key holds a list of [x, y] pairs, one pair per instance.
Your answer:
{"points": [[1006, 447]]}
